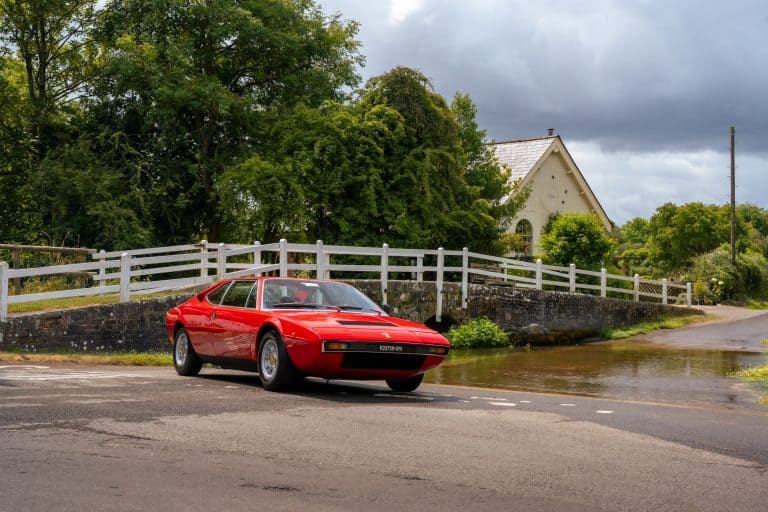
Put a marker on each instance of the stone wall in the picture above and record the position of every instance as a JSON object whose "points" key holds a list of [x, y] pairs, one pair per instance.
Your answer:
{"points": [[129, 327], [531, 316]]}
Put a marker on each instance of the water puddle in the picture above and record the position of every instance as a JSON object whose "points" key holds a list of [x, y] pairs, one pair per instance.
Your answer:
{"points": [[618, 369]]}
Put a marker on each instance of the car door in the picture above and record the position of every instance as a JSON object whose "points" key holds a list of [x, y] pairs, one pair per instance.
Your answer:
{"points": [[233, 325], [197, 320]]}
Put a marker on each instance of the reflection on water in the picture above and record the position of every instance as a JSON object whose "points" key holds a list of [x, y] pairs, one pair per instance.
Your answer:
{"points": [[619, 369]]}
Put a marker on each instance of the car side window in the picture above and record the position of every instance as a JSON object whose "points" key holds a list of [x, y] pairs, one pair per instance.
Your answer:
{"points": [[237, 294], [215, 296], [251, 302]]}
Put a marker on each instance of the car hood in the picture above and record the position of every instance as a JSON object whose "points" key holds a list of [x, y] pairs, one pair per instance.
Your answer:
{"points": [[362, 326]]}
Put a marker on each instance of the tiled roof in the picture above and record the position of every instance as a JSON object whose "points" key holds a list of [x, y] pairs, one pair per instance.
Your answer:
{"points": [[521, 155]]}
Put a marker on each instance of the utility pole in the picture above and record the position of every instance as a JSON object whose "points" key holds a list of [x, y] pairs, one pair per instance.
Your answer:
{"points": [[733, 195]]}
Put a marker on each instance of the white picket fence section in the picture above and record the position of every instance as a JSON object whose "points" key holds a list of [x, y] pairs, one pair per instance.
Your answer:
{"points": [[145, 271]]}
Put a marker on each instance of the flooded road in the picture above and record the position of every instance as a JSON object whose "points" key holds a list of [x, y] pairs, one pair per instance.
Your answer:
{"points": [[692, 365], [631, 370]]}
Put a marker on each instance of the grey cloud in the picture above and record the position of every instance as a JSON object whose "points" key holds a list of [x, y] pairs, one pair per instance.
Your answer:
{"points": [[644, 75]]}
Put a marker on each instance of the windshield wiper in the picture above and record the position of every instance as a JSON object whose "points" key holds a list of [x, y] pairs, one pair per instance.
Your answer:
{"points": [[349, 307]]}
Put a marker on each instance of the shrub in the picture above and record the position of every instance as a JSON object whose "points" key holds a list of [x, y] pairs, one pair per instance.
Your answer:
{"points": [[477, 333], [725, 281]]}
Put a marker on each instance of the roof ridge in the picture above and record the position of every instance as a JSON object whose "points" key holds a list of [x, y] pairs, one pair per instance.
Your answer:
{"points": [[530, 139]]}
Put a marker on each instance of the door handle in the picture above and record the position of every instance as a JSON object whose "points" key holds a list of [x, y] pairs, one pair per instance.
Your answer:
{"points": [[213, 316]]}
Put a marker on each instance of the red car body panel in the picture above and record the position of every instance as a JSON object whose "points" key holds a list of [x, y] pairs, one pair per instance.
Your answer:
{"points": [[381, 346]]}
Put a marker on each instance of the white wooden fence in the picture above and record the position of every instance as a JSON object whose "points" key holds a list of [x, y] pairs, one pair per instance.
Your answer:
{"points": [[145, 271]]}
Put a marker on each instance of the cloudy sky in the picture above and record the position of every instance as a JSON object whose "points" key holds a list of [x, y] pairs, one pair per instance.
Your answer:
{"points": [[643, 92]]}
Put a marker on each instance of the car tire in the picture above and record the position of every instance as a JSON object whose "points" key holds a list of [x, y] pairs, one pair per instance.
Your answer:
{"points": [[276, 370], [185, 360], [405, 385]]}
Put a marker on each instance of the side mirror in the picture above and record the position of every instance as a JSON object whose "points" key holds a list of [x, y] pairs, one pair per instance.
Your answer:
{"points": [[386, 308], [200, 297]]}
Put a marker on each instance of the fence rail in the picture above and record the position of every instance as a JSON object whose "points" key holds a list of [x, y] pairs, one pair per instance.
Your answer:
{"points": [[160, 269]]}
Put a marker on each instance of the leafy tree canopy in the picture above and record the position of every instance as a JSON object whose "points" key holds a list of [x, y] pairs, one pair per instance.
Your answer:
{"points": [[397, 164], [677, 234]]}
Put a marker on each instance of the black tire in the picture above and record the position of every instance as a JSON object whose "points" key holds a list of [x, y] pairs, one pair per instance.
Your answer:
{"points": [[276, 370], [185, 360], [405, 385]]}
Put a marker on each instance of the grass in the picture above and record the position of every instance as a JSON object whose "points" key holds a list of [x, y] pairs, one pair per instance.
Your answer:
{"points": [[55, 304], [646, 327], [79, 302], [757, 304], [110, 358]]}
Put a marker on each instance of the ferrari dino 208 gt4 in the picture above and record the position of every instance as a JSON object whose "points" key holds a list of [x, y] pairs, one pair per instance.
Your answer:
{"points": [[285, 328]]}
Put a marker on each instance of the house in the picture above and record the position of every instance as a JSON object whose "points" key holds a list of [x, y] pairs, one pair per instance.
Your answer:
{"points": [[556, 184]]}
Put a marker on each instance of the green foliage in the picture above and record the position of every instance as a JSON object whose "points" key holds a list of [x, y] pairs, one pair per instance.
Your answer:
{"points": [[716, 279], [677, 234], [396, 165], [635, 231], [576, 238], [477, 333]]}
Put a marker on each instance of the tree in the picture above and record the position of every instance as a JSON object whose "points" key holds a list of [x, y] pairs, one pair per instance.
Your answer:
{"points": [[43, 69], [49, 37], [576, 238], [396, 165], [194, 87], [756, 220], [677, 234], [16, 201]]}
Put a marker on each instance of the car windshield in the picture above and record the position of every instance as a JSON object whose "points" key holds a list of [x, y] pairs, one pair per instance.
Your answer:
{"points": [[300, 294]]}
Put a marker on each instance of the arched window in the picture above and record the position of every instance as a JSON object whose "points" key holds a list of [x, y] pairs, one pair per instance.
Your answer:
{"points": [[525, 230]]}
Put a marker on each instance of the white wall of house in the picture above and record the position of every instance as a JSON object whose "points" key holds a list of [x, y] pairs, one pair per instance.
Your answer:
{"points": [[553, 189]]}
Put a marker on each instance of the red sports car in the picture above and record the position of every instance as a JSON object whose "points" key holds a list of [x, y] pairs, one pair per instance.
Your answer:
{"points": [[285, 329]]}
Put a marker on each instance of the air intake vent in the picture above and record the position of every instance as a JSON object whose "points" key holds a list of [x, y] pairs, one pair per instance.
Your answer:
{"points": [[366, 322]]}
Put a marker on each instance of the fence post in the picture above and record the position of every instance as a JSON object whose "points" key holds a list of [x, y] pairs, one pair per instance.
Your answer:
{"points": [[439, 284], [3, 291], [204, 259], [664, 291], [17, 265], [257, 256], [603, 282], [688, 294], [102, 268], [419, 268], [221, 261], [539, 274], [384, 271], [125, 277], [464, 276], [319, 260], [572, 278], [283, 257], [637, 287]]}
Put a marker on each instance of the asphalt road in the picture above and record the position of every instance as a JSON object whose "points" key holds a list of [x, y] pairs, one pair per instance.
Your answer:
{"points": [[111, 438]]}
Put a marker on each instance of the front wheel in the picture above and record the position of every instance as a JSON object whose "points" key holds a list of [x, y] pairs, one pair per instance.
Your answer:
{"points": [[185, 360], [405, 385], [276, 370]]}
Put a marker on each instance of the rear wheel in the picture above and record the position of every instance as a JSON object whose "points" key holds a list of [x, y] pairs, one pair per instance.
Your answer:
{"points": [[405, 385], [276, 370], [185, 360]]}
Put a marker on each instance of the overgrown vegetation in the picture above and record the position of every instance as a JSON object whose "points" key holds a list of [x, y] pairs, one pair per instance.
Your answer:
{"points": [[477, 333]]}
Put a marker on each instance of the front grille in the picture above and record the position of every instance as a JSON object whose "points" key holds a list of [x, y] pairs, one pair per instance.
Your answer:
{"points": [[374, 361]]}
